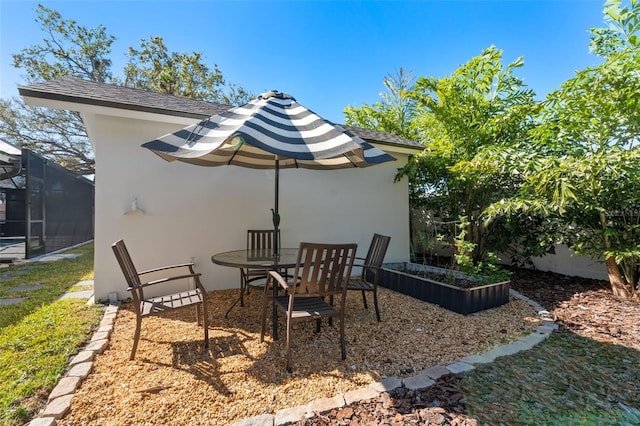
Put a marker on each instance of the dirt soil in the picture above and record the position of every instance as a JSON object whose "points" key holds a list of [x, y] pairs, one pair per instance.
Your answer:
{"points": [[174, 380]]}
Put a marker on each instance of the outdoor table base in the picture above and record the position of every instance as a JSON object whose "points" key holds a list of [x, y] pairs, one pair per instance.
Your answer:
{"points": [[260, 259]]}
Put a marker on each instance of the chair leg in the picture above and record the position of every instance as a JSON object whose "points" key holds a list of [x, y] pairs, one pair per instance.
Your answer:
{"points": [[289, 345], [342, 344], [136, 337], [242, 287], [205, 321], [263, 322], [364, 299], [330, 318], [375, 303]]}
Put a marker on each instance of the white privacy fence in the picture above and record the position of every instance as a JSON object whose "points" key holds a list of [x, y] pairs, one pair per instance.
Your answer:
{"points": [[425, 229]]}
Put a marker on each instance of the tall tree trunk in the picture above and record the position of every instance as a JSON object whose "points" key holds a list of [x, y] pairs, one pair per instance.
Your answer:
{"points": [[619, 285]]}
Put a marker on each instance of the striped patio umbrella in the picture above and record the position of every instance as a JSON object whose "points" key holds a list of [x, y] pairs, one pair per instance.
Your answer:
{"points": [[271, 131]]}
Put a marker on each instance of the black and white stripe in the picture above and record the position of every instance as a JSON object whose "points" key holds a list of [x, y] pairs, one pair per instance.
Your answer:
{"points": [[272, 127]]}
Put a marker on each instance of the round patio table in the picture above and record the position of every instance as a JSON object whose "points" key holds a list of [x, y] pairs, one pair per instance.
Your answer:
{"points": [[260, 259]]}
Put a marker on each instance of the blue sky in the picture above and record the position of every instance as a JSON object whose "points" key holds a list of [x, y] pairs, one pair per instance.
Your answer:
{"points": [[329, 54]]}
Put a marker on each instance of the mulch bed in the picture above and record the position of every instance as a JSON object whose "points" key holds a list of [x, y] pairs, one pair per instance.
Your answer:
{"points": [[440, 404], [174, 381], [586, 311]]}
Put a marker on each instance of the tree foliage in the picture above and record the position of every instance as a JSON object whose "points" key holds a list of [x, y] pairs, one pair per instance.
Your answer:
{"points": [[68, 50], [472, 123], [396, 111], [587, 170], [71, 50], [153, 67], [56, 134]]}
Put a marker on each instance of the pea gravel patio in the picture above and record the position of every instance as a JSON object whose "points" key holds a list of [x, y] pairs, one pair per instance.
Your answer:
{"points": [[175, 381]]}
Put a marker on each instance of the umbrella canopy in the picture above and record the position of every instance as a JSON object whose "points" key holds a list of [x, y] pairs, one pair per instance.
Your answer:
{"points": [[271, 131]]}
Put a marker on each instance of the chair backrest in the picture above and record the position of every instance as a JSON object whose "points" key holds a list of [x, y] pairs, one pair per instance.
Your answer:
{"points": [[323, 269], [129, 271], [377, 250], [260, 239], [126, 264]]}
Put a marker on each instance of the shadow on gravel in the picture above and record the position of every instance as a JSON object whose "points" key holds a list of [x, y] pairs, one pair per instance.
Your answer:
{"points": [[566, 380], [584, 374], [550, 289]]}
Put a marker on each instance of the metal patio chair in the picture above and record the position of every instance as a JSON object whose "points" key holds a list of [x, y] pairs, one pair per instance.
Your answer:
{"points": [[145, 306], [368, 279], [321, 272], [257, 239]]}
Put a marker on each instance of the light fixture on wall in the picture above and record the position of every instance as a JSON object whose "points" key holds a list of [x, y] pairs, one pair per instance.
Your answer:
{"points": [[135, 209]]}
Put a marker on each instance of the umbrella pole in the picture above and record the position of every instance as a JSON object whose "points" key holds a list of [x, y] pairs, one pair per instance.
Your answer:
{"points": [[276, 214]]}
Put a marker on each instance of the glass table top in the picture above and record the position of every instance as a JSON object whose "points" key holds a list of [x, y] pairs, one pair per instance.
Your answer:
{"points": [[257, 258]]}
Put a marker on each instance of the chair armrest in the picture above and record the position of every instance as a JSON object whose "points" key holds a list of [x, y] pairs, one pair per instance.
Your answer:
{"points": [[162, 268], [374, 269], [370, 267], [164, 280], [279, 279]]}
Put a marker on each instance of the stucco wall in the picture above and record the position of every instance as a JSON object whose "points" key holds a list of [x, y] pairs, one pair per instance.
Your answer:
{"points": [[565, 261], [192, 212]]}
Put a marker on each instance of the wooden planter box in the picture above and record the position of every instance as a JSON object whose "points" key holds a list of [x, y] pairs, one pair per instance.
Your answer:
{"points": [[461, 300]]}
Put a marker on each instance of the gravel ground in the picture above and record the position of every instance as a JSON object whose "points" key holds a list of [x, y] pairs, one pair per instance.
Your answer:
{"points": [[175, 381]]}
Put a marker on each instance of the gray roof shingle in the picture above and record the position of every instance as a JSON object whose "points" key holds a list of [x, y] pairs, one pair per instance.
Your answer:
{"points": [[109, 95]]}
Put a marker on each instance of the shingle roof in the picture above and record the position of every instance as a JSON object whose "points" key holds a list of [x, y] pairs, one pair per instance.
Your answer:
{"points": [[108, 95]]}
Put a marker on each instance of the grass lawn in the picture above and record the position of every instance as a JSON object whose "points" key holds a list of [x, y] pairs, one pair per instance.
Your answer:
{"points": [[40, 334], [567, 380]]}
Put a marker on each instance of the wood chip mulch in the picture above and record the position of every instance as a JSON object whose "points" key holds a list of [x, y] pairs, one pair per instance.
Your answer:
{"points": [[582, 307], [440, 404], [174, 380]]}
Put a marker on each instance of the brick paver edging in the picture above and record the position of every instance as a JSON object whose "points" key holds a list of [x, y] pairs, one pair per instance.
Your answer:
{"points": [[422, 380], [59, 401], [80, 367]]}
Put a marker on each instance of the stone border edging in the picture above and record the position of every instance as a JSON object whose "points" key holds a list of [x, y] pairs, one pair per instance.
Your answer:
{"points": [[59, 402], [424, 379]]}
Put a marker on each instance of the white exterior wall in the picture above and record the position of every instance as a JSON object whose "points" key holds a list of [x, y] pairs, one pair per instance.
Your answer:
{"points": [[565, 261], [192, 212]]}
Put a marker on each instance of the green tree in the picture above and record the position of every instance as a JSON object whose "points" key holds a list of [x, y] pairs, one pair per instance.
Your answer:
{"points": [[587, 170], [395, 113], [68, 50], [472, 123], [153, 67], [71, 50]]}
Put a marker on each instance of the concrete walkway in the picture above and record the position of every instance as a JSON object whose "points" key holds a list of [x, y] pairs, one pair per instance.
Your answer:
{"points": [[29, 265]]}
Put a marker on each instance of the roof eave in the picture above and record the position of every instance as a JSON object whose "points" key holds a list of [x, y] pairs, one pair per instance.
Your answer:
{"points": [[25, 92], [96, 98]]}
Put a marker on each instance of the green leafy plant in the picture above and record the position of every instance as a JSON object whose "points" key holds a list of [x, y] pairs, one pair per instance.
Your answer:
{"points": [[584, 171], [486, 271]]}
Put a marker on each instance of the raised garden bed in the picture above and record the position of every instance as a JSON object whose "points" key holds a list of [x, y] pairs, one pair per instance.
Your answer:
{"points": [[464, 298]]}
